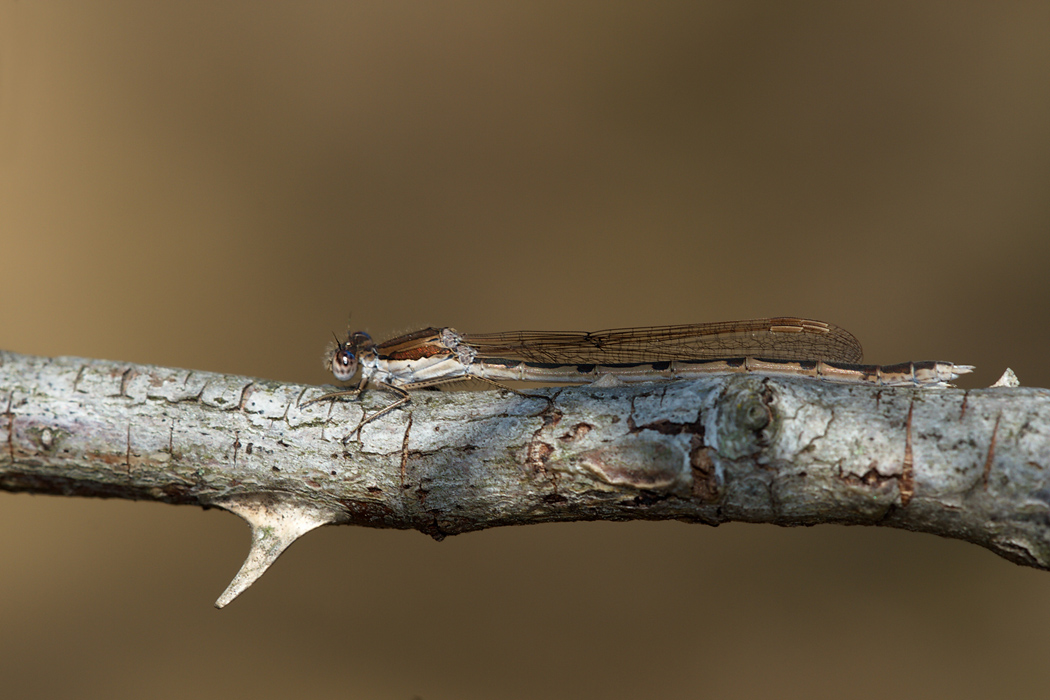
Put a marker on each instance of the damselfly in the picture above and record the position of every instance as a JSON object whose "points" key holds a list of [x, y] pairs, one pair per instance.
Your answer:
{"points": [[774, 346]]}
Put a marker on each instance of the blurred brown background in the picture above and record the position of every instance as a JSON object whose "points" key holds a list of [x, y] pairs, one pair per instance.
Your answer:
{"points": [[217, 185]]}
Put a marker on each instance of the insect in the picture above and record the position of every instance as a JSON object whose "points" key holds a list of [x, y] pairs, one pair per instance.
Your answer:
{"points": [[777, 346]]}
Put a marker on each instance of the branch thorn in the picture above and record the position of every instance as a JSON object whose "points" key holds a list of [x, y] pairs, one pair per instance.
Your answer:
{"points": [[1009, 379], [276, 521]]}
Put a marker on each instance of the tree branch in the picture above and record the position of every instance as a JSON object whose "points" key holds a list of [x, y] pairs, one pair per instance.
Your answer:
{"points": [[790, 451]]}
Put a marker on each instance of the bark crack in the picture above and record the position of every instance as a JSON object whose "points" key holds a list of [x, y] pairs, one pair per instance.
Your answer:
{"points": [[245, 393], [125, 379], [538, 452], [907, 478], [404, 451], [10, 415], [80, 373], [127, 454], [991, 453]]}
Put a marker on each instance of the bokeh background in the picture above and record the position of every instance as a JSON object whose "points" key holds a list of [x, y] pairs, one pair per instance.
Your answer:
{"points": [[218, 185]]}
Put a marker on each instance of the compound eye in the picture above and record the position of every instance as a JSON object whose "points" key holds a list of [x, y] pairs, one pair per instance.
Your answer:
{"points": [[344, 364]]}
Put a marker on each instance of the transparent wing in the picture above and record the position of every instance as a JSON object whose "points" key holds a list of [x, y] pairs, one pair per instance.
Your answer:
{"points": [[770, 338]]}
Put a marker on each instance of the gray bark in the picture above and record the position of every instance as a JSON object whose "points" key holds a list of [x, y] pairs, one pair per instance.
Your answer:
{"points": [[788, 451]]}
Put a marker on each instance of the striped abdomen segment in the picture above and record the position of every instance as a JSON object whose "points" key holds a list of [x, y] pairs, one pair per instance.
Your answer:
{"points": [[929, 373]]}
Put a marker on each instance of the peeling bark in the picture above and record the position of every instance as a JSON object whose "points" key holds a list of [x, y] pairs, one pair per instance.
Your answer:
{"points": [[788, 451]]}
